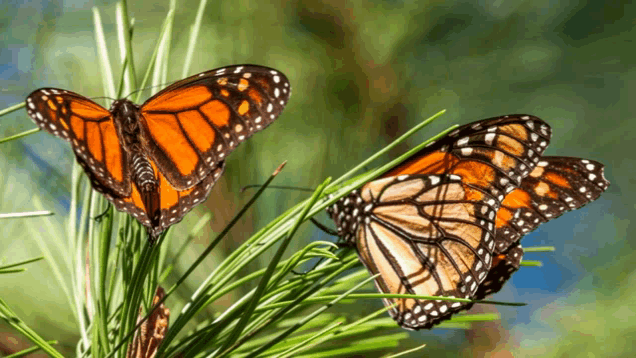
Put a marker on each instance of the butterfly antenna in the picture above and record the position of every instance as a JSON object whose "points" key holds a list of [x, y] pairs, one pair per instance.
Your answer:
{"points": [[162, 85], [104, 97]]}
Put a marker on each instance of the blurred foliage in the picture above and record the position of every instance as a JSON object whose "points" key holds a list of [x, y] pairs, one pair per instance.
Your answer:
{"points": [[363, 72]]}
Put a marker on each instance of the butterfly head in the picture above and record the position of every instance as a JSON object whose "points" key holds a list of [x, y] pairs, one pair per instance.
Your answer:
{"points": [[126, 112]]}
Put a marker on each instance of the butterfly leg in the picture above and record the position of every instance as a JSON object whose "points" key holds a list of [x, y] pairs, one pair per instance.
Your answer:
{"points": [[99, 217], [329, 232], [324, 228]]}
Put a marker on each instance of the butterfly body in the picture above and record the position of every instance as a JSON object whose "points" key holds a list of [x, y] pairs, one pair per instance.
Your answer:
{"points": [[135, 143], [158, 160]]}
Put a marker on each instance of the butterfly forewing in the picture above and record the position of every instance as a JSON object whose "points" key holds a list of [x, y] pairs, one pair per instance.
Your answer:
{"points": [[493, 154], [90, 129], [207, 116], [425, 235], [555, 186]]}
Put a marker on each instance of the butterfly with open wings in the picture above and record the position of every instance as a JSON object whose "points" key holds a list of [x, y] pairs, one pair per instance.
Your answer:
{"points": [[158, 160]]}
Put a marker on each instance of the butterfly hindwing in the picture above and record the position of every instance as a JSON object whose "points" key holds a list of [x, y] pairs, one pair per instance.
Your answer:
{"points": [[503, 266], [91, 130], [173, 204], [195, 123], [424, 234]]}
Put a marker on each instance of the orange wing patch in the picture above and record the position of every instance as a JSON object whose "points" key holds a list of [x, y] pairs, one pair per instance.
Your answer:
{"points": [[136, 200], [179, 99], [113, 151], [197, 129], [517, 199], [431, 163], [558, 180], [94, 140], [169, 196], [475, 173], [243, 108], [88, 110], [77, 125], [516, 131], [217, 112], [243, 84], [167, 134], [51, 105], [255, 96]]}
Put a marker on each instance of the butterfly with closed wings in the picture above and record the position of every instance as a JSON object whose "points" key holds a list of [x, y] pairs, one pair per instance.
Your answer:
{"points": [[448, 220], [158, 160]]}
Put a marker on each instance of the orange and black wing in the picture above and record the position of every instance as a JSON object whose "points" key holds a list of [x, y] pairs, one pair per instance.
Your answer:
{"points": [[555, 186], [492, 154], [426, 235], [90, 129], [192, 125]]}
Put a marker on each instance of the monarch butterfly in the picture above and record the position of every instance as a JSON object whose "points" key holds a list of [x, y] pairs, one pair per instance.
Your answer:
{"points": [[448, 220], [159, 160]]}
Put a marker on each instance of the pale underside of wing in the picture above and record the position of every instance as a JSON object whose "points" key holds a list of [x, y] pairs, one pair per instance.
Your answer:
{"points": [[426, 236]]}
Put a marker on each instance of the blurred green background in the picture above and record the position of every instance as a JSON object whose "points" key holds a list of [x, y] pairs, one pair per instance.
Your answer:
{"points": [[362, 73]]}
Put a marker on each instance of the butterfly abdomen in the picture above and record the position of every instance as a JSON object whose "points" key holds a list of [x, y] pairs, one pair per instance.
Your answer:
{"points": [[143, 174]]}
